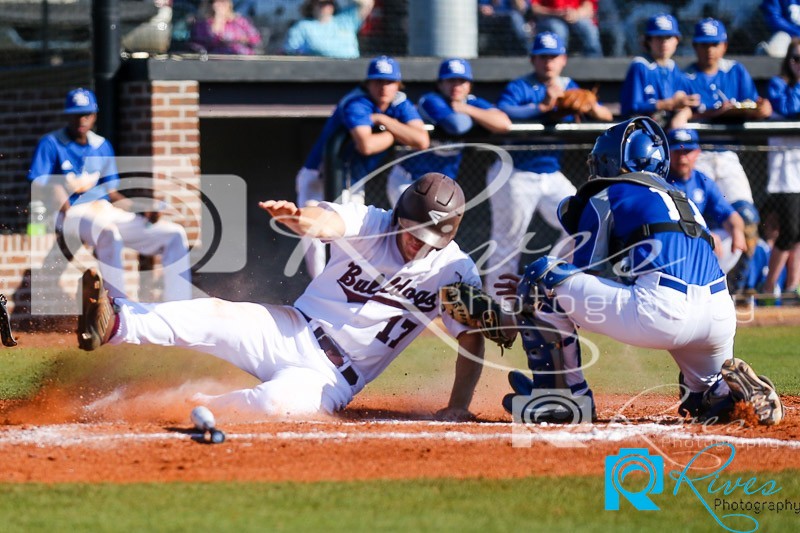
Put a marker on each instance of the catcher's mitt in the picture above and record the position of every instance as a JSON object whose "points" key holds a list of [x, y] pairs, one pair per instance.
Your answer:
{"points": [[576, 101], [472, 307]]}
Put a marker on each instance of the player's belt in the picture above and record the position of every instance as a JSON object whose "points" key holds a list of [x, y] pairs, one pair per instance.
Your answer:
{"points": [[341, 363], [334, 354], [680, 286]]}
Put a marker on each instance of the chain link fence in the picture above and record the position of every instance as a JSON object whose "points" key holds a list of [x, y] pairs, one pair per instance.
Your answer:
{"points": [[50, 32]]}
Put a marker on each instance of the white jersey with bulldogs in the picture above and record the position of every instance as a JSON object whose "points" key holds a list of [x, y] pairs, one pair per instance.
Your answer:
{"points": [[369, 300]]}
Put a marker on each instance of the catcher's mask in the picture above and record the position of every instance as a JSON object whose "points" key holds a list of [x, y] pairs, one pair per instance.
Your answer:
{"points": [[636, 145], [431, 209]]}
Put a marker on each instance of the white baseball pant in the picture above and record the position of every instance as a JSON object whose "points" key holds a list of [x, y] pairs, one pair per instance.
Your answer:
{"points": [[696, 327], [108, 229], [513, 206], [274, 343]]}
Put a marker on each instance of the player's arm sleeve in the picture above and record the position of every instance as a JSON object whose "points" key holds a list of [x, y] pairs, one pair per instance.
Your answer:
{"points": [[359, 220], [434, 109], [594, 232], [356, 112], [513, 103], [632, 96], [109, 178], [785, 99], [747, 87], [42, 162], [775, 20], [717, 207]]}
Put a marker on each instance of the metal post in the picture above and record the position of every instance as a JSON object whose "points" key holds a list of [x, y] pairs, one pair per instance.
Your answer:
{"points": [[106, 57]]}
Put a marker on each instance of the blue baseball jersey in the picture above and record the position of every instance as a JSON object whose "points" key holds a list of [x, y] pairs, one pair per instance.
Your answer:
{"points": [[352, 111], [520, 101], [435, 109], [87, 171], [706, 196], [647, 82], [758, 267], [613, 215], [785, 98], [782, 15], [731, 82]]}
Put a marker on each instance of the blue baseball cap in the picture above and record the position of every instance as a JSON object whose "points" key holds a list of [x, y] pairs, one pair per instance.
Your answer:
{"points": [[662, 25], [80, 102], [455, 68], [683, 139], [383, 68], [710, 31], [548, 43], [747, 211]]}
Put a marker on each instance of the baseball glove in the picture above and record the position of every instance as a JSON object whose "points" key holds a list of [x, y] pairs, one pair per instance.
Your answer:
{"points": [[576, 101], [472, 307]]}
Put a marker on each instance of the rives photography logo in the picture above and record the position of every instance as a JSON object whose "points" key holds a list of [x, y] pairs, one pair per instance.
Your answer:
{"points": [[746, 496]]}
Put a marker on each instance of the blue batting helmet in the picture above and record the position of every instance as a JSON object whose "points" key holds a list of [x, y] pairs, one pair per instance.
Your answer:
{"points": [[636, 145]]}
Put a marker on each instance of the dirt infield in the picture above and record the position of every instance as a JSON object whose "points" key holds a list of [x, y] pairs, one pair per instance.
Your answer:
{"points": [[144, 436]]}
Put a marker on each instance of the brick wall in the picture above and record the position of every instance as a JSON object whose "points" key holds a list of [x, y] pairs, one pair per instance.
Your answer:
{"points": [[25, 115], [159, 128]]}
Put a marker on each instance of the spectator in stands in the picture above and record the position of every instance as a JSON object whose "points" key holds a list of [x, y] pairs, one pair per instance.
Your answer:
{"points": [[784, 172], [375, 116], [570, 16], [76, 169], [650, 86], [536, 182], [724, 87], [220, 30], [326, 32], [504, 24], [612, 28], [454, 110], [783, 19], [727, 225]]}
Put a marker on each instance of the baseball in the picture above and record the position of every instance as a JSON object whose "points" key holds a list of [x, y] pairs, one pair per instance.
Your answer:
{"points": [[202, 418], [216, 436]]}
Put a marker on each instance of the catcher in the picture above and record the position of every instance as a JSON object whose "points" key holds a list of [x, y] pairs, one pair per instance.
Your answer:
{"points": [[671, 293], [536, 183]]}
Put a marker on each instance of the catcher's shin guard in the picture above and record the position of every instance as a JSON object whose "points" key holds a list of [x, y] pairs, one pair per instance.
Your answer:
{"points": [[98, 320], [544, 346], [753, 389]]}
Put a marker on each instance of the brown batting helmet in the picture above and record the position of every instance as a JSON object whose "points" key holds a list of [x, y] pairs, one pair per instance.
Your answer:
{"points": [[431, 209]]}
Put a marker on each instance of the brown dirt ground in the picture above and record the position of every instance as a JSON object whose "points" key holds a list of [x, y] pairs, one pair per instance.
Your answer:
{"points": [[376, 437]]}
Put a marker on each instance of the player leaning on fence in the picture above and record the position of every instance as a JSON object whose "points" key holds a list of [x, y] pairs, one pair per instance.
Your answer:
{"points": [[536, 182]]}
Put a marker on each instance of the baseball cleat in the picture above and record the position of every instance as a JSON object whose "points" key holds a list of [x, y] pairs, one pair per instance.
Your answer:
{"points": [[756, 390], [97, 321]]}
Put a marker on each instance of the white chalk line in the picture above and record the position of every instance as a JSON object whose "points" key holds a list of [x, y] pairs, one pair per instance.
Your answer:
{"points": [[66, 435]]}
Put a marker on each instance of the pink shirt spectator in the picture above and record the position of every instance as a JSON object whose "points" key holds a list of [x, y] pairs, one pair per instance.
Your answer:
{"points": [[238, 36]]}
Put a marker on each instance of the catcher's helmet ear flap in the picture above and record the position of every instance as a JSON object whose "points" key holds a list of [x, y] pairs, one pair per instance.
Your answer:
{"points": [[636, 145], [431, 209]]}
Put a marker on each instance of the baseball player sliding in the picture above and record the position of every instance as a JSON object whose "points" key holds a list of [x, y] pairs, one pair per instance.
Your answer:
{"points": [[644, 273], [377, 293]]}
